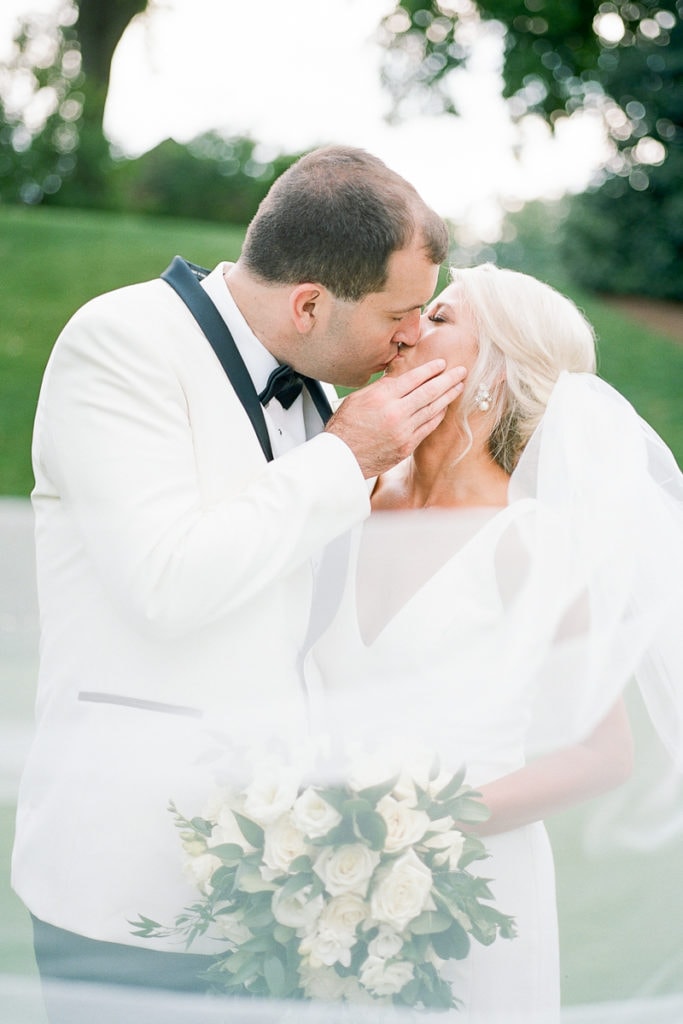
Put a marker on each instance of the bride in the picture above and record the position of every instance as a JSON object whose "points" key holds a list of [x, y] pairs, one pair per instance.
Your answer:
{"points": [[518, 569]]}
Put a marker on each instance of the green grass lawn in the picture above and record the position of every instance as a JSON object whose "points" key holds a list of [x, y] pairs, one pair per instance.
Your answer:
{"points": [[52, 262], [55, 260]]}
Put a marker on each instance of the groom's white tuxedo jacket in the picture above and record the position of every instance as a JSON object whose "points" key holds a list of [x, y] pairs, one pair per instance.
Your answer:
{"points": [[175, 584]]}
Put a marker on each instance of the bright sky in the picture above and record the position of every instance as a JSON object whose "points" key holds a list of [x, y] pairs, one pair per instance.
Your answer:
{"points": [[298, 74]]}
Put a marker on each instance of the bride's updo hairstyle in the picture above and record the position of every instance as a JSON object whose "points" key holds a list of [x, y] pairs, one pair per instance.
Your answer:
{"points": [[527, 333]]}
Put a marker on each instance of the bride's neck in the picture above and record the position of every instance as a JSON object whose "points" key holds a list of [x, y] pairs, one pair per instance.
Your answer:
{"points": [[433, 478]]}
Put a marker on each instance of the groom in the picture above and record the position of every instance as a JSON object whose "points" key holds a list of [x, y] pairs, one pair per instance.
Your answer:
{"points": [[175, 528]]}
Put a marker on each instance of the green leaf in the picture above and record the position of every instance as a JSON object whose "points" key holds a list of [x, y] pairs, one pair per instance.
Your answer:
{"points": [[252, 832], [371, 827], [452, 787], [244, 974], [145, 927], [262, 943], [337, 836], [229, 853], [415, 948], [356, 806], [202, 826], [468, 808], [275, 975], [293, 885], [335, 797], [429, 922], [453, 943], [256, 917], [302, 863], [373, 794], [283, 935]]}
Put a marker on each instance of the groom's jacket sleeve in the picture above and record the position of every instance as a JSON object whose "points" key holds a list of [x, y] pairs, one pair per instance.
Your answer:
{"points": [[135, 415]]}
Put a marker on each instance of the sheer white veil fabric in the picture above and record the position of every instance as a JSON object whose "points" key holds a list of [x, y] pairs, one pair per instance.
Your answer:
{"points": [[605, 565]]}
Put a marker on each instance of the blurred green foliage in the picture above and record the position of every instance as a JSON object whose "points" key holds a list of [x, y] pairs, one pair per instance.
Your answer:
{"points": [[623, 61], [213, 177], [619, 240]]}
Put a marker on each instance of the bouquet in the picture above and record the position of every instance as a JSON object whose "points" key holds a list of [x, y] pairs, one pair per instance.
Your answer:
{"points": [[337, 892]]}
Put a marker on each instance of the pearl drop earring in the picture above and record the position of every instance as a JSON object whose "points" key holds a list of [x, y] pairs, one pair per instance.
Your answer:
{"points": [[482, 399]]}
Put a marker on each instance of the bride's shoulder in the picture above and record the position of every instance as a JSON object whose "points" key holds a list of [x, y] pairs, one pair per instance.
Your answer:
{"points": [[391, 489]]}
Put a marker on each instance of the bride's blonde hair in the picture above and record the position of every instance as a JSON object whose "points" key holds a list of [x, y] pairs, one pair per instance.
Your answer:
{"points": [[527, 333]]}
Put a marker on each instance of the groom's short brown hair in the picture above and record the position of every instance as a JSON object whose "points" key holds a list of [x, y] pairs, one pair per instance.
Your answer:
{"points": [[335, 217]]}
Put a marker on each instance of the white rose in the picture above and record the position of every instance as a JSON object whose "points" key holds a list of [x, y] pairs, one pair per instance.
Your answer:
{"points": [[226, 830], [326, 947], [402, 892], [283, 843], [343, 914], [297, 911], [405, 826], [346, 868], [386, 943], [450, 846], [322, 983], [313, 815], [271, 794], [385, 977], [199, 871]]}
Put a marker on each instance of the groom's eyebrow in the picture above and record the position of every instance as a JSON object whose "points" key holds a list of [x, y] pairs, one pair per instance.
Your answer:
{"points": [[407, 309]]}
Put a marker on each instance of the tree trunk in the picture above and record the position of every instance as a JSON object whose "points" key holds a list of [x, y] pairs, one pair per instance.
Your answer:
{"points": [[101, 23]]}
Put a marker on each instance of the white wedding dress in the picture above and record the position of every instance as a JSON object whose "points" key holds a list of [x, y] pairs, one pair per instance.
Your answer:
{"points": [[407, 665], [492, 636]]}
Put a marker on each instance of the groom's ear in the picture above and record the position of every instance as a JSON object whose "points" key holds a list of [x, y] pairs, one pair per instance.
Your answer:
{"points": [[308, 305]]}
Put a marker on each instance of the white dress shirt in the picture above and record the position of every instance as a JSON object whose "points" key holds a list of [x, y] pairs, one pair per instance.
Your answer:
{"points": [[287, 428]]}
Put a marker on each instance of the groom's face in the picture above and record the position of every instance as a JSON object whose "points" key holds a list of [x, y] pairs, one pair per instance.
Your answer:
{"points": [[363, 338]]}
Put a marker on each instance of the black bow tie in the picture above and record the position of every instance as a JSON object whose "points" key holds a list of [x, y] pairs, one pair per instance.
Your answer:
{"points": [[285, 384]]}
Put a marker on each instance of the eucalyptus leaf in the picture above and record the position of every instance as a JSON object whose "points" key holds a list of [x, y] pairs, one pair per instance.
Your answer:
{"points": [[275, 976], [430, 922], [355, 806], [283, 935], [302, 863], [453, 943], [334, 797], [229, 853], [372, 827], [452, 787], [293, 885], [468, 808], [202, 826], [261, 943], [252, 832], [373, 794]]}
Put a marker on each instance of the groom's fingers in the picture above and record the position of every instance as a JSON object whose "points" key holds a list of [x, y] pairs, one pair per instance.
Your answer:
{"points": [[384, 422], [428, 390]]}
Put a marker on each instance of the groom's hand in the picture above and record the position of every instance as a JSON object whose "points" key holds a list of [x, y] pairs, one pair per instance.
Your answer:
{"points": [[384, 422]]}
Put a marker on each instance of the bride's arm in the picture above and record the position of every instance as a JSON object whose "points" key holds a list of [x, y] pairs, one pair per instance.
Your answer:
{"points": [[565, 777]]}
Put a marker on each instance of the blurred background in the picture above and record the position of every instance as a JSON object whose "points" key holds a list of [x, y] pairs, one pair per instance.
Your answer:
{"points": [[549, 133]]}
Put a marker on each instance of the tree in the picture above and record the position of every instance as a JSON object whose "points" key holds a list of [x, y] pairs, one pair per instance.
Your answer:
{"points": [[559, 56], [623, 59], [64, 158], [51, 139]]}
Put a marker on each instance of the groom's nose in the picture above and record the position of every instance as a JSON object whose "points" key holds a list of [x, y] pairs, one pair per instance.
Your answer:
{"points": [[409, 329]]}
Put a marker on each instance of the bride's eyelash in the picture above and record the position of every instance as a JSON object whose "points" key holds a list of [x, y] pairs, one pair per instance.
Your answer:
{"points": [[436, 318]]}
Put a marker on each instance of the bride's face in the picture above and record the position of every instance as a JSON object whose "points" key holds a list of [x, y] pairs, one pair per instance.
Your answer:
{"points": [[447, 330]]}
